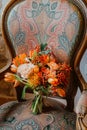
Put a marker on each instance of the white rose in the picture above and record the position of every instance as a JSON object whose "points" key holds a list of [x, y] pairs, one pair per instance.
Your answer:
{"points": [[25, 69]]}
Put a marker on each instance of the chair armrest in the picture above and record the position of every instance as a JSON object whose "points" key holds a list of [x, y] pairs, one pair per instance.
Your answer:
{"points": [[81, 107], [5, 99], [81, 110]]}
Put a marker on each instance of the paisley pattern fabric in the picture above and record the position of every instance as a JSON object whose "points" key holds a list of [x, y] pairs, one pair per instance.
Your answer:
{"points": [[18, 116], [57, 23]]}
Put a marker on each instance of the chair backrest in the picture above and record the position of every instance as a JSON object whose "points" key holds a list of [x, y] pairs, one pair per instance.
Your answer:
{"points": [[59, 23], [4, 54]]}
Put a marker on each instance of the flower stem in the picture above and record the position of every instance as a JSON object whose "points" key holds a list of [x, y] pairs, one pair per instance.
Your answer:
{"points": [[37, 105], [24, 91]]}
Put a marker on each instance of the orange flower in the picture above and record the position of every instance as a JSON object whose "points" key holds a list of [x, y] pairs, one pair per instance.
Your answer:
{"points": [[53, 65], [43, 74], [44, 59], [36, 69], [32, 54], [21, 59], [40, 74], [52, 74], [34, 80], [60, 92], [62, 78], [52, 58], [53, 81], [64, 67], [13, 68], [16, 83], [9, 77], [37, 48]]}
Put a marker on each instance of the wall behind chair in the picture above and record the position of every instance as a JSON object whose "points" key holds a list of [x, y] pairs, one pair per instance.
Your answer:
{"points": [[3, 4]]}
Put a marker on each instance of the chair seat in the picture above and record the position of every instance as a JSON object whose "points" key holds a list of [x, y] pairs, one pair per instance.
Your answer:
{"points": [[18, 116]]}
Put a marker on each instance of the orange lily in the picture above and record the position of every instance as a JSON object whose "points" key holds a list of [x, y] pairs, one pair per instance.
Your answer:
{"points": [[21, 59]]}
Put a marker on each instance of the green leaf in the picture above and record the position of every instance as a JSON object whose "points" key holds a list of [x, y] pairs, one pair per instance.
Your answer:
{"points": [[44, 52], [45, 90], [43, 46], [18, 78]]}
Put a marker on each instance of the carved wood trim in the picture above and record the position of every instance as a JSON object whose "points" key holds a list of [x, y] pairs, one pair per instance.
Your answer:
{"points": [[77, 62]]}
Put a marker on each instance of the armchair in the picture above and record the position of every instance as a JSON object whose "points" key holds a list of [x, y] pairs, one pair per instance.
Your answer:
{"points": [[62, 25]]}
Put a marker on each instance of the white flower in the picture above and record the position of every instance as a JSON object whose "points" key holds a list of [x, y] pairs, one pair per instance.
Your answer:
{"points": [[25, 70]]}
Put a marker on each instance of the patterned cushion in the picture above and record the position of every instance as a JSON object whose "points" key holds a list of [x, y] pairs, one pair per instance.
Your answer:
{"points": [[18, 116]]}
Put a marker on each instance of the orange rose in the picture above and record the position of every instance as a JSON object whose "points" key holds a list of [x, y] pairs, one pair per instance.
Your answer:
{"points": [[60, 92], [53, 81]]}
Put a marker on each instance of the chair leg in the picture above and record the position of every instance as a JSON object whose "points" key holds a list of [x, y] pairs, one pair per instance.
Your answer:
{"points": [[70, 104]]}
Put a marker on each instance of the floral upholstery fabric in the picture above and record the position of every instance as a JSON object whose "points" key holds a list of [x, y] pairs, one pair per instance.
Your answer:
{"points": [[18, 116]]}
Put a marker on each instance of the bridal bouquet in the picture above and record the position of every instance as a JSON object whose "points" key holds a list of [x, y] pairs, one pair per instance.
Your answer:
{"points": [[40, 72]]}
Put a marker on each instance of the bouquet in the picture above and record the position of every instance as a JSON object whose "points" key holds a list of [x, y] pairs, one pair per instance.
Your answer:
{"points": [[40, 72]]}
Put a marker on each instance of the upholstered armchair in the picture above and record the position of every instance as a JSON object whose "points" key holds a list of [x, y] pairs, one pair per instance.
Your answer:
{"points": [[62, 25]]}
